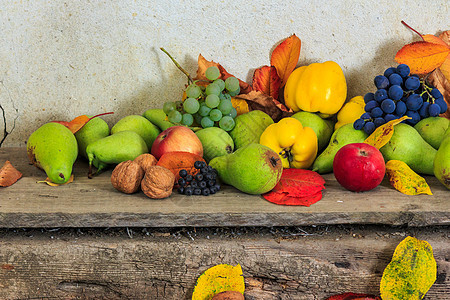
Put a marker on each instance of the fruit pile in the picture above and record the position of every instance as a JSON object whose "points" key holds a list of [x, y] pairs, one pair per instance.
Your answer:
{"points": [[399, 93], [207, 104]]}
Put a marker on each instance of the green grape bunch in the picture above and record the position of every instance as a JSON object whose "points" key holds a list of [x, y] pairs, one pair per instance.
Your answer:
{"points": [[206, 105]]}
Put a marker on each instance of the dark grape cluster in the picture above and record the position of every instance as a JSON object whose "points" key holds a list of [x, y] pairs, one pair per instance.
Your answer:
{"points": [[203, 183], [399, 94]]}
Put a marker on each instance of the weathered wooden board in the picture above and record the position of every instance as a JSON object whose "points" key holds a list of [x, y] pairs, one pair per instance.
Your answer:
{"points": [[95, 203], [277, 264]]}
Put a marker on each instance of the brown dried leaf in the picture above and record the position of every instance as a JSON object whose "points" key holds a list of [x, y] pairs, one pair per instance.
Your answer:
{"points": [[51, 183], [8, 174], [269, 105], [437, 79], [445, 36]]}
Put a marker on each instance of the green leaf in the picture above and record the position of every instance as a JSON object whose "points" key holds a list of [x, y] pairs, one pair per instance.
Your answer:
{"points": [[411, 272]]}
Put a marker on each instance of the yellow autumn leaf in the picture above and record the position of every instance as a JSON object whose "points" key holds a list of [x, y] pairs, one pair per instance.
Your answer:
{"points": [[219, 278], [411, 272], [405, 180], [51, 183], [383, 133], [240, 105]]}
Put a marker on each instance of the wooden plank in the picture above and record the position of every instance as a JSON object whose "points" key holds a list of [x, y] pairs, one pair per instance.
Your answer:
{"points": [[95, 203], [282, 263]]}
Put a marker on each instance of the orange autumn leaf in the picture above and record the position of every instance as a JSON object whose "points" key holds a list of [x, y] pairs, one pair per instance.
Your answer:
{"points": [[266, 80], [285, 57], [51, 183], [78, 123], [422, 57], [383, 133], [443, 39], [240, 105], [204, 64], [9, 175]]}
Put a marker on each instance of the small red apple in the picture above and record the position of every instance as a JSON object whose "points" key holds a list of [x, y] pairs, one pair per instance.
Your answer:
{"points": [[176, 138], [359, 167]]}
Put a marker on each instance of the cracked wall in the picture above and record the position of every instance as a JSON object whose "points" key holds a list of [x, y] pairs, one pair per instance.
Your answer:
{"points": [[60, 59]]}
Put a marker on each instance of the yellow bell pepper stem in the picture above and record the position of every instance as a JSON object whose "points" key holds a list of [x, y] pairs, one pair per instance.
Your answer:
{"points": [[296, 145]]}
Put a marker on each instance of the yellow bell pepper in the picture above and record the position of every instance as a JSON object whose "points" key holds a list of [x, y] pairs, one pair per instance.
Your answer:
{"points": [[296, 145], [319, 87], [350, 112]]}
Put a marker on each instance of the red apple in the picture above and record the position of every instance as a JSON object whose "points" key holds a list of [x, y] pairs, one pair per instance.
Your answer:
{"points": [[359, 167], [176, 138]]}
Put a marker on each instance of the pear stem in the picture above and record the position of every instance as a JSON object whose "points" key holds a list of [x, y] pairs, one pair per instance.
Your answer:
{"points": [[178, 65], [404, 23]]}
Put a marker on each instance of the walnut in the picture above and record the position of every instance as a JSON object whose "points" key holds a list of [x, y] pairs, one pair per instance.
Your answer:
{"points": [[158, 182], [228, 295], [127, 176], [145, 160]]}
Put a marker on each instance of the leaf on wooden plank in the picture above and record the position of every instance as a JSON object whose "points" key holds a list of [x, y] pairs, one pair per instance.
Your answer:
{"points": [[297, 187], [8, 267], [353, 296], [438, 80], [383, 133], [411, 272], [219, 278], [204, 64], [78, 123], [285, 57], [9, 174], [405, 180], [266, 80], [422, 57], [240, 105], [51, 183], [259, 101]]}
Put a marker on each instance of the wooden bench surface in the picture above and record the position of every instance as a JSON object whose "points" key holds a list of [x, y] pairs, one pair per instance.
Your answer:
{"points": [[95, 203]]}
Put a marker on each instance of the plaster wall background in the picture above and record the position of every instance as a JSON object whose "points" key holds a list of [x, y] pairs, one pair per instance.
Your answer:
{"points": [[60, 59]]}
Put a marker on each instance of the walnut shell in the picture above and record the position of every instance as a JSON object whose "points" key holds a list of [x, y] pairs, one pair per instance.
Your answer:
{"points": [[127, 176], [228, 295], [158, 182], [146, 160]]}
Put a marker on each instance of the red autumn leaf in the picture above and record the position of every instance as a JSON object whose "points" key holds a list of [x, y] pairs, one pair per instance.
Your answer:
{"points": [[78, 123], [266, 80], [422, 57], [285, 57], [204, 64], [297, 187], [8, 267], [353, 296]]}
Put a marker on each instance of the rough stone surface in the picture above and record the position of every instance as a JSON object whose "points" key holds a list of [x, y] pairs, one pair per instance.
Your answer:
{"points": [[60, 59]]}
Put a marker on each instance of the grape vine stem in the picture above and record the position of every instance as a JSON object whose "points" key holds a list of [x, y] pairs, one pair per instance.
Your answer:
{"points": [[190, 80]]}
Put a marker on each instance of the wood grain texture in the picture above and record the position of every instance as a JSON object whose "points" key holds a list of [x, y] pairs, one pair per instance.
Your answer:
{"points": [[95, 203], [51, 265]]}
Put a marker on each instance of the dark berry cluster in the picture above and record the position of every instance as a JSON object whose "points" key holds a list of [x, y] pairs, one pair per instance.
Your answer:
{"points": [[203, 183], [398, 94]]}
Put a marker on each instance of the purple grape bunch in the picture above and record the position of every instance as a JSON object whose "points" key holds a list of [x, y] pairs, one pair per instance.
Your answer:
{"points": [[399, 94]]}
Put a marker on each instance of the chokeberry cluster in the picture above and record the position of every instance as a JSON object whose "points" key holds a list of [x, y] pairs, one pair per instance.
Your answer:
{"points": [[203, 183], [398, 94]]}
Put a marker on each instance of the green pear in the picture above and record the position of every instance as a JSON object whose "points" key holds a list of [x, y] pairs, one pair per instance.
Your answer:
{"points": [[252, 169], [93, 130], [441, 164], [215, 141], [53, 148], [158, 117], [114, 149], [323, 128], [140, 125], [432, 130], [344, 135], [249, 127], [408, 146]]}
